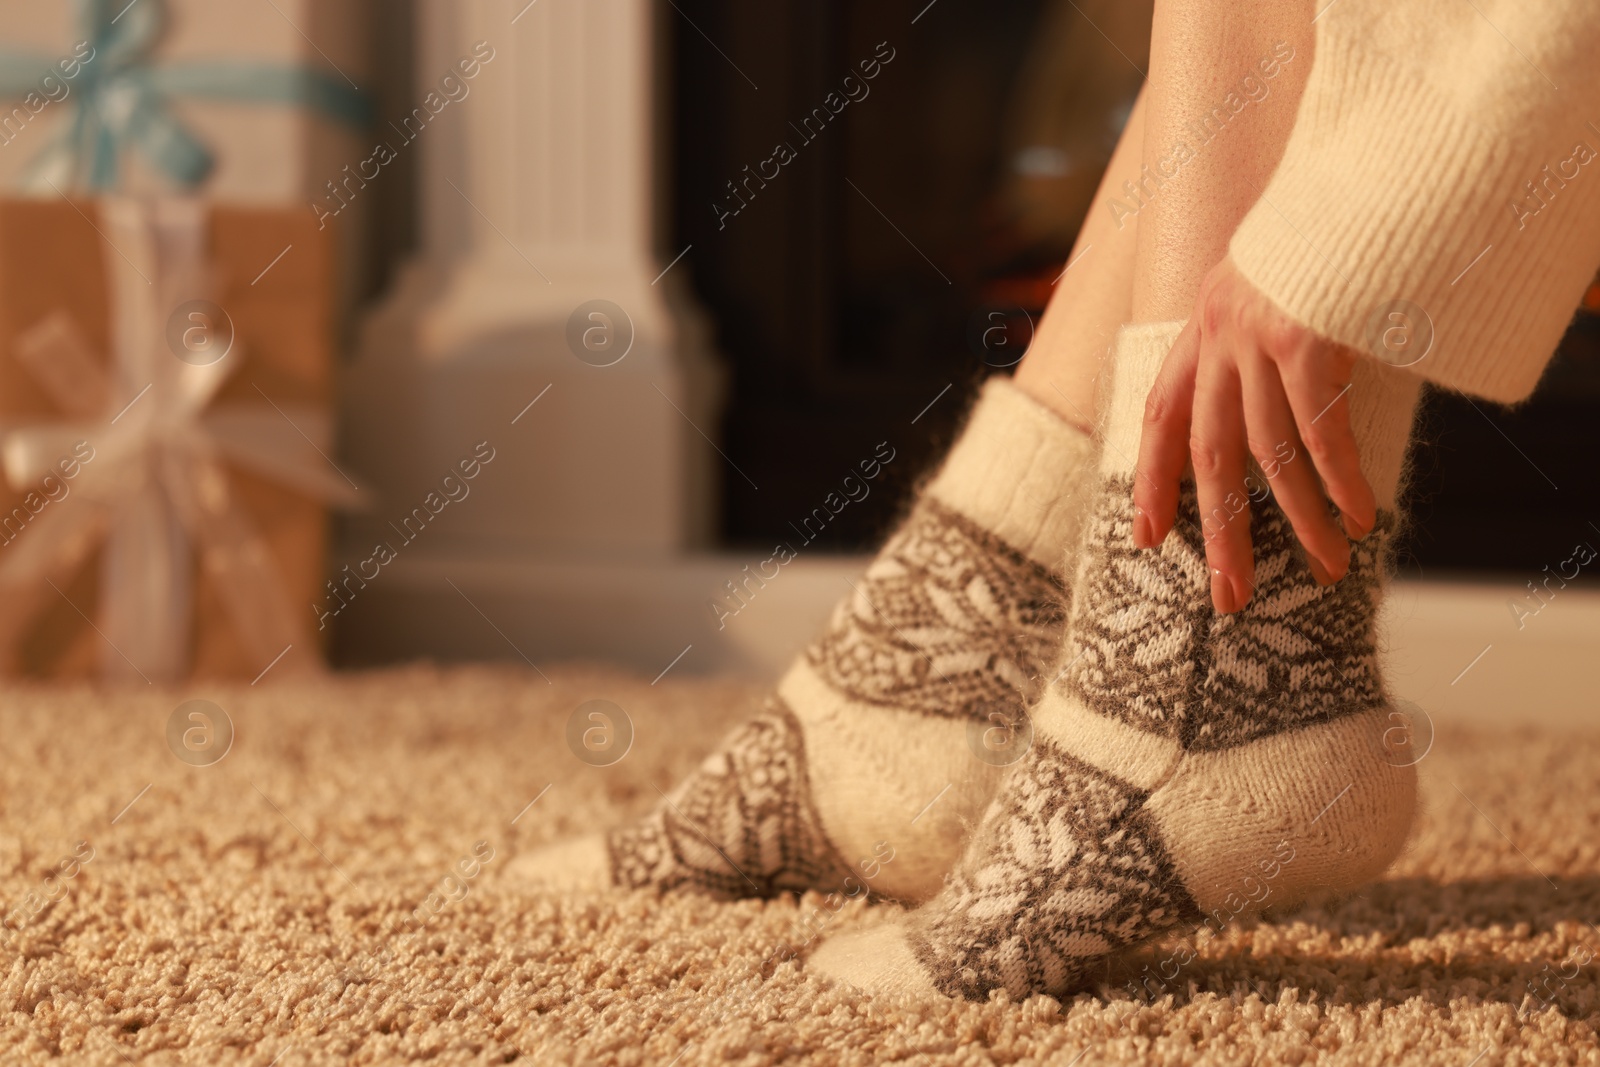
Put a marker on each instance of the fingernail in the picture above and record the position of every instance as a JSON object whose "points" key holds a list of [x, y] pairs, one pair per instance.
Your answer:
{"points": [[1323, 574], [1226, 596], [1353, 528], [1141, 529]]}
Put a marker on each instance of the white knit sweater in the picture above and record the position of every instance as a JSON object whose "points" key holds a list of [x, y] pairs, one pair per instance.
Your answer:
{"points": [[1445, 154]]}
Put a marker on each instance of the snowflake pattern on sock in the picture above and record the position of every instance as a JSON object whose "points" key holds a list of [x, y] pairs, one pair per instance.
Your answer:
{"points": [[1068, 872], [1298, 653], [1136, 620], [1150, 651], [948, 620], [742, 825]]}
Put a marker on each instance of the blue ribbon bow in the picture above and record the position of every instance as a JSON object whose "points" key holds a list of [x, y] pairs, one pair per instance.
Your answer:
{"points": [[122, 99]]}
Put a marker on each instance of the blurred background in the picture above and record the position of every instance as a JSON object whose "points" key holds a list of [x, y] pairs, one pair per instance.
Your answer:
{"points": [[602, 299]]}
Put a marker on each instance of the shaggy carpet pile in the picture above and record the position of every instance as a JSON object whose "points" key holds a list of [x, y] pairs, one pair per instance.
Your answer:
{"points": [[337, 888]]}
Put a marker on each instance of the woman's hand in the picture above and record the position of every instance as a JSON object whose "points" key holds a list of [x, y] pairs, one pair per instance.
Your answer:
{"points": [[1244, 380]]}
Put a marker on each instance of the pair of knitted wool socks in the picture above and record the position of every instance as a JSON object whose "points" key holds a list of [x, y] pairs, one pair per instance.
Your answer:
{"points": [[1154, 757]]}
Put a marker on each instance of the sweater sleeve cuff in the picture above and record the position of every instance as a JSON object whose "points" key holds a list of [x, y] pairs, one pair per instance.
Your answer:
{"points": [[1405, 224]]}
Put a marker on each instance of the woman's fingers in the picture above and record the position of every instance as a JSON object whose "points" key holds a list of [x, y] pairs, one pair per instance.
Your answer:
{"points": [[1164, 442], [1217, 450], [1317, 382], [1275, 444], [1243, 380]]}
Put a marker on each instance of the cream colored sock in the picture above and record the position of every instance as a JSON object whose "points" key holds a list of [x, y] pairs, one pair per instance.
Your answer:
{"points": [[870, 761], [1188, 765]]}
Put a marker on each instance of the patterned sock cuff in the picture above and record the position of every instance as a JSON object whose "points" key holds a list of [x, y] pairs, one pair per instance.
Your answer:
{"points": [[1136, 359], [1016, 471]]}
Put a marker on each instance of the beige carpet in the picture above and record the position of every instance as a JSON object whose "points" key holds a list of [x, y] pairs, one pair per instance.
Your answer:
{"points": [[246, 912]]}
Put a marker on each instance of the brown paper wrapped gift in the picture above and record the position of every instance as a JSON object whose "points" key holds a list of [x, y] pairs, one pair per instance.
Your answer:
{"points": [[270, 271]]}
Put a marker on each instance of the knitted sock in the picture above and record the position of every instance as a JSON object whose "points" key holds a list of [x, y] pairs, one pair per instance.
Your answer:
{"points": [[1187, 765], [867, 760]]}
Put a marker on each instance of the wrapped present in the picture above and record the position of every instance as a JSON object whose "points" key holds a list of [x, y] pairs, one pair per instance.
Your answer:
{"points": [[254, 102], [164, 380]]}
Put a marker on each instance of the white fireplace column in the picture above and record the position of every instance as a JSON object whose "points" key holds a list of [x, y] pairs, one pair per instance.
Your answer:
{"points": [[540, 192]]}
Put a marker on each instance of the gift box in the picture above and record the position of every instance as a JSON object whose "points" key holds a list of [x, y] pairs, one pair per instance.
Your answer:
{"points": [[247, 101], [164, 387]]}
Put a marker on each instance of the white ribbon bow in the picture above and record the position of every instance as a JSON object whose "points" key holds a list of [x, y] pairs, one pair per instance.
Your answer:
{"points": [[157, 484]]}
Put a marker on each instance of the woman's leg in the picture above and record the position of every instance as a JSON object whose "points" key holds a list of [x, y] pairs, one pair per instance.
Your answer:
{"points": [[1093, 297], [1199, 145], [1226, 80]]}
